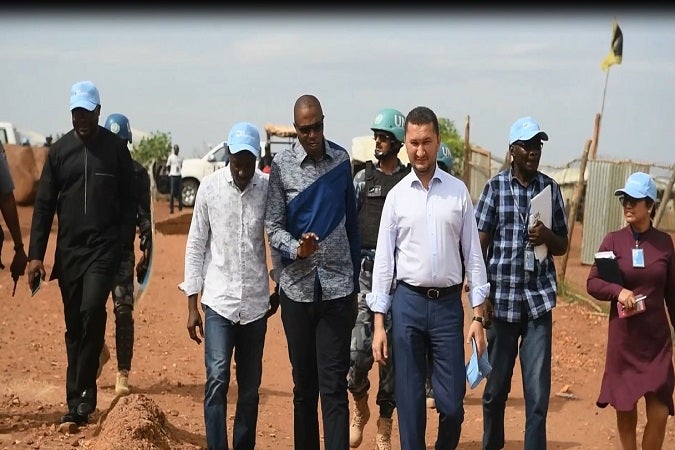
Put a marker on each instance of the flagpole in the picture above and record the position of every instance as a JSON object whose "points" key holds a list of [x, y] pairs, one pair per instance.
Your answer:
{"points": [[604, 92]]}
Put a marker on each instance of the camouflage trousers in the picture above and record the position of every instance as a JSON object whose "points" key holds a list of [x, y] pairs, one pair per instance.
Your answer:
{"points": [[123, 301], [361, 354]]}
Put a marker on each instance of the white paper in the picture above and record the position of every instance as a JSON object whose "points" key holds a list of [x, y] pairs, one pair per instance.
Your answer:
{"points": [[540, 209], [608, 254]]}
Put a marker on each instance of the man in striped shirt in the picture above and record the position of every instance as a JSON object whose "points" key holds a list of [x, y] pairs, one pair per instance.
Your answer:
{"points": [[311, 221]]}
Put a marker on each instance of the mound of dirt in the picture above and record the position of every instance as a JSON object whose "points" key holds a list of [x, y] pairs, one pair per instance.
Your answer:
{"points": [[135, 422], [179, 224]]}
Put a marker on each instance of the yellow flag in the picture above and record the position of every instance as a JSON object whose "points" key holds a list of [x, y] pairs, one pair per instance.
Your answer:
{"points": [[616, 49]]}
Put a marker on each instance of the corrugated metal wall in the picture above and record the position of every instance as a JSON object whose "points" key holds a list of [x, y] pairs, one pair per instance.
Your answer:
{"points": [[602, 211]]}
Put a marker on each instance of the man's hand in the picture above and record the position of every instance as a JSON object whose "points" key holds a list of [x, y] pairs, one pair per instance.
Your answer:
{"points": [[477, 332], [489, 310], [195, 325], [35, 269], [18, 266], [142, 267], [274, 302], [307, 245], [380, 351]]}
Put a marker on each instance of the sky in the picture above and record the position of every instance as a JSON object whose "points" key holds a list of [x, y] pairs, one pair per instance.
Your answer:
{"points": [[193, 74]]}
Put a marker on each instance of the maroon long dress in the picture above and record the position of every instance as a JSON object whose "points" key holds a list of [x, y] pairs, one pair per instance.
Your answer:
{"points": [[639, 348]]}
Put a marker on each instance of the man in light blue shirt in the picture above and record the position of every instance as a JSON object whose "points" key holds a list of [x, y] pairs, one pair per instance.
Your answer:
{"points": [[226, 261], [426, 232]]}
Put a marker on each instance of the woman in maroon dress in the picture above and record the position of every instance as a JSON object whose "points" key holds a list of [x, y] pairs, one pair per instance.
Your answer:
{"points": [[639, 347]]}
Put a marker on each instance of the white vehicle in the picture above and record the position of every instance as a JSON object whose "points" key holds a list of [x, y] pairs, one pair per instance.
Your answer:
{"points": [[195, 169], [9, 134]]}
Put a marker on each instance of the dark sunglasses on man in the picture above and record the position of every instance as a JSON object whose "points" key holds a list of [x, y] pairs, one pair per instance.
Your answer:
{"points": [[530, 146], [383, 137], [306, 129]]}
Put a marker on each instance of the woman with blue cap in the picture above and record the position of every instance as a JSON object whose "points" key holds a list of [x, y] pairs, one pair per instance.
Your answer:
{"points": [[639, 361]]}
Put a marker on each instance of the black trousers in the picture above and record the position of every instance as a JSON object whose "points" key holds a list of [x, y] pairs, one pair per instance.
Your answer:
{"points": [[176, 192], [319, 336], [84, 309]]}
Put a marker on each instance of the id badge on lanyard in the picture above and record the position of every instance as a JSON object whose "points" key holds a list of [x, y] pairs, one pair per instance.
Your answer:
{"points": [[529, 258], [638, 253], [638, 258]]}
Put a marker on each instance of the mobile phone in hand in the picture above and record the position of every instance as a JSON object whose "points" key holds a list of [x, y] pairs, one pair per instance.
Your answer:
{"points": [[35, 284], [640, 307]]}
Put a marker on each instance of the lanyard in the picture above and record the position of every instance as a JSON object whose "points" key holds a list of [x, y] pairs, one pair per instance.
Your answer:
{"points": [[515, 200]]}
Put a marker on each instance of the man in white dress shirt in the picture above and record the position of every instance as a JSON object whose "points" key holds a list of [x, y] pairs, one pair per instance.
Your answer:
{"points": [[226, 262], [425, 218]]}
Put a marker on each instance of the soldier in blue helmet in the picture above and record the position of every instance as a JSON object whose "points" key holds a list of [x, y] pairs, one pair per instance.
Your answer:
{"points": [[123, 291], [372, 185]]}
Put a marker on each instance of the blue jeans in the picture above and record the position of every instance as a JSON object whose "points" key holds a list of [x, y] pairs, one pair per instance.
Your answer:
{"points": [[428, 335], [221, 338], [535, 361]]}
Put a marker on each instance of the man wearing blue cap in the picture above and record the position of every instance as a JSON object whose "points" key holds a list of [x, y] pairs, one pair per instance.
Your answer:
{"points": [[226, 261], [522, 287], [86, 181]]}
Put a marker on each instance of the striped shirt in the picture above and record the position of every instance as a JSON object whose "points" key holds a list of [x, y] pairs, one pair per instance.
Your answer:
{"points": [[225, 253], [502, 211], [308, 196]]}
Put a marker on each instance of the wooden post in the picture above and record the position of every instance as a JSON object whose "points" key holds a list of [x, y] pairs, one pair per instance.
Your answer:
{"points": [[596, 135], [665, 199], [467, 154], [574, 207]]}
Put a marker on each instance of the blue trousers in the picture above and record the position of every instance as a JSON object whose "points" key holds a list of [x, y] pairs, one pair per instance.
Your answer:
{"points": [[221, 338], [318, 336], [421, 325], [533, 339]]}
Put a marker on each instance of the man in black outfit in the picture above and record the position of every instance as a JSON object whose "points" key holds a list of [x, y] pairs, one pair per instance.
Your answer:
{"points": [[87, 181]]}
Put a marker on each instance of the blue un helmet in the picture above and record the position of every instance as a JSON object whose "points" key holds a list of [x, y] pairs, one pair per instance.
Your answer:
{"points": [[119, 124], [444, 158], [392, 121]]}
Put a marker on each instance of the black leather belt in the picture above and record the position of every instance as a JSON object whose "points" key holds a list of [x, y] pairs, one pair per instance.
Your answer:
{"points": [[433, 292]]}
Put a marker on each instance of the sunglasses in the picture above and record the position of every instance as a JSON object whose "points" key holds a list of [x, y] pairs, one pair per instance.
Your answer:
{"points": [[529, 146], [306, 129], [628, 201], [383, 137]]}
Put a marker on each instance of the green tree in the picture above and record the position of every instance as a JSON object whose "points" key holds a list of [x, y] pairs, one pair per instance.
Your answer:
{"points": [[450, 136], [151, 149]]}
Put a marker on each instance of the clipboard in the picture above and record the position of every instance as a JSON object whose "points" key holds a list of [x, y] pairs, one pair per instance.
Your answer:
{"points": [[540, 209]]}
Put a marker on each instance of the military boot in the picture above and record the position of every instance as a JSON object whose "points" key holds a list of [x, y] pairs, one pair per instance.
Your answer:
{"points": [[122, 383], [383, 436], [360, 417]]}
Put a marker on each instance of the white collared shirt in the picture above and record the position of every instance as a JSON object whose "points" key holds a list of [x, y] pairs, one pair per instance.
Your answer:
{"points": [[419, 236], [225, 253]]}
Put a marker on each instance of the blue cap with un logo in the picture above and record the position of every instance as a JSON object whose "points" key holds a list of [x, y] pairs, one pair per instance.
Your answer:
{"points": [[638, 185], [244, 136], [525, 129]]}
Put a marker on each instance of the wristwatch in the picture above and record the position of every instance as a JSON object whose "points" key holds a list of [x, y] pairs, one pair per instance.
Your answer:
{"points": [[479, 319]]}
